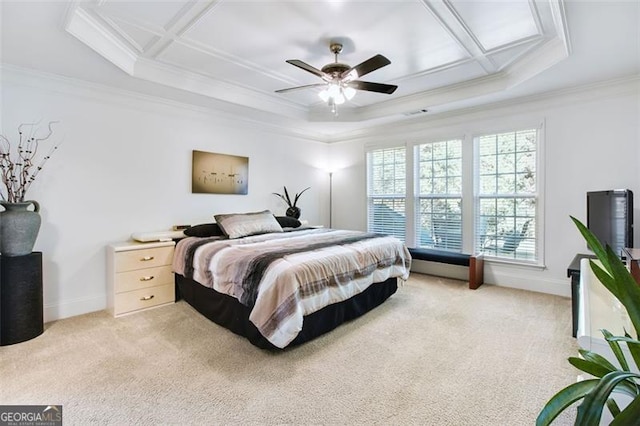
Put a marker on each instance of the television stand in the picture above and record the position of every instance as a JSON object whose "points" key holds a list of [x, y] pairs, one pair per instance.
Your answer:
{"points": [[632, 256]]}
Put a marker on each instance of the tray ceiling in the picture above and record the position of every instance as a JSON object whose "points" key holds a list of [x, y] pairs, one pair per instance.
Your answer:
{"points": [[442, 52]]}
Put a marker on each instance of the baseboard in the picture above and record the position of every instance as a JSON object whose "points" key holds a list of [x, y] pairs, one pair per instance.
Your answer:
{"points": [[440, 269], [540, 285], [71, 308], [518, 278]]}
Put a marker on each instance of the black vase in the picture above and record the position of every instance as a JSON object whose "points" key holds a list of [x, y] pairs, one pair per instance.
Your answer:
{"points": [[293, 212]]}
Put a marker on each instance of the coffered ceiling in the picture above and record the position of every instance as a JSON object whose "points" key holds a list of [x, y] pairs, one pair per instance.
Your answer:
{"points": [[445, 54]]}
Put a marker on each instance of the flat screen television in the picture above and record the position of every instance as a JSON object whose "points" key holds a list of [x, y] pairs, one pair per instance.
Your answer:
{"points": [[610, 217]]}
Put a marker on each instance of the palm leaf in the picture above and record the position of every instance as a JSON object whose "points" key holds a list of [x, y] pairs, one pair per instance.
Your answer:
{"points": [[633, 345], [280, 195], [288, 200], [613, 407], [619, 281], [563, 399], [590, 411], [590, 367], [295, 201], [615, 277], [599, 370], [592, 241], [629, 290], [616, 349], [597, 358], [629, 415]]}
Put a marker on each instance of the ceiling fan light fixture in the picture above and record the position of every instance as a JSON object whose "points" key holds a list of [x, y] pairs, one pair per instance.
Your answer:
{"points": [[349, 92], [335, 94], [352, 75], [340, 80], [324, 95], [333, 90]]}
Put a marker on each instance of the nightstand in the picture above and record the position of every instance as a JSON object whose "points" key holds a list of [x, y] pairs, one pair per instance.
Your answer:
{"points": [[139, 276]]}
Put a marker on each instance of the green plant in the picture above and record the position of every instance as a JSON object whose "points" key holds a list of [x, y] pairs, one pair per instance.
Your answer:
{"points": [[287, 199], [596, 393]]}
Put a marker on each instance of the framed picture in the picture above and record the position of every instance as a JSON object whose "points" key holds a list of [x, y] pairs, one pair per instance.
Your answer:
{"points": [[219, 173]]}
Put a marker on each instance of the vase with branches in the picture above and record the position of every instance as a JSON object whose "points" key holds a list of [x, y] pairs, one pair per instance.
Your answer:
{"points": [[20, 165], [293, 210], [20, 168]]}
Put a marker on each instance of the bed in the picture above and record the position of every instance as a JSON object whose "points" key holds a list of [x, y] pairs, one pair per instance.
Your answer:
{"points": [[280, 287]]}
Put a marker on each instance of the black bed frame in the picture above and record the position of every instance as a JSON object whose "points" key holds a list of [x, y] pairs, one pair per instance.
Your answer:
{"points": [[230, 313]]}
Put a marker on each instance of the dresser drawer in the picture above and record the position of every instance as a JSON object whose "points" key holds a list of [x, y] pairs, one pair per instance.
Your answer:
{"points": [[143, 298], [143, 258], [143, 278]]}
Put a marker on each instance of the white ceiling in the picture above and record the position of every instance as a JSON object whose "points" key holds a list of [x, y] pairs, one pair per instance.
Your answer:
{"points": [[445, 54]]}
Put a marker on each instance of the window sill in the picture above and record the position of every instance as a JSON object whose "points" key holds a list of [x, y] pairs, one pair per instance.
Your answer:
{"points": [[520, 264]]}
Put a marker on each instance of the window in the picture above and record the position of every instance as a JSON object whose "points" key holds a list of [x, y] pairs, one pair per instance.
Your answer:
{"points": [[439, 195], [462, 195], [507, 195], [386, 191]]}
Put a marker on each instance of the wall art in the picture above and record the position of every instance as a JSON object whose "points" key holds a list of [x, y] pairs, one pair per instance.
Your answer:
{"points": [[214, 173]]}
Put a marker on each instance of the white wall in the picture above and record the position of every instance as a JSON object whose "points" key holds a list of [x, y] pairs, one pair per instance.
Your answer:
{"points": [[125, 166], [591, 143]]}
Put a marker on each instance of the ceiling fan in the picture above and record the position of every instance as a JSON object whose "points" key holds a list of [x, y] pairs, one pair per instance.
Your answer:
{"points": [[340, 82]]}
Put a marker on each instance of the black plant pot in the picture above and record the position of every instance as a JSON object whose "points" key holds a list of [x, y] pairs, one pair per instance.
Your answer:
{"points": [[293, 212]]}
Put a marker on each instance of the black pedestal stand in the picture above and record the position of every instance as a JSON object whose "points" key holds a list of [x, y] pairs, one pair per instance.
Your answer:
{"points": [[21, 315]]}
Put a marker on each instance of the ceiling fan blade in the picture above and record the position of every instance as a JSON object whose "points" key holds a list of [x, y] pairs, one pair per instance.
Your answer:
{"points": [[313, 70], [367, 66], [291, 89], [373, 87]]}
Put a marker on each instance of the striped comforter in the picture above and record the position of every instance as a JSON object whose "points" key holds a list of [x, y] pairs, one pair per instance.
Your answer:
{"points": [[284, 276]]}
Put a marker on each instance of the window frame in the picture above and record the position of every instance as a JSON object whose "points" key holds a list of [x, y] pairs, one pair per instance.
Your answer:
{"points": [[539, 260], [393, 197], [418, 196], [468, 134]]}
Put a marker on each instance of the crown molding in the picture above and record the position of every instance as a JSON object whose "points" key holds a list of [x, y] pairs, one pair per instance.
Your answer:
{"points": [[86, 28], [550, 53], [235, 115], [535, 62], [175, 77], [82, 24], [559, 14], [102, 35], [626, 86]]}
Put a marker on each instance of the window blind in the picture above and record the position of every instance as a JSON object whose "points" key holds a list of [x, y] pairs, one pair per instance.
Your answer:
{"points": [[386, 191], [438, 177], [507, 197]]}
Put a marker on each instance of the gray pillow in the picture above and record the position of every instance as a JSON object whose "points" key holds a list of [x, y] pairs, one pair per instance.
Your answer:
{"points": [[237, 225]]}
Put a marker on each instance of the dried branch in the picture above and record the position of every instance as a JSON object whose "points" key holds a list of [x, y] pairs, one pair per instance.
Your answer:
{"points": [[17, 172]]}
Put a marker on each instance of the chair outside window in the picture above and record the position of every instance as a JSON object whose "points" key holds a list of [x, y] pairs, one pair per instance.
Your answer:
{"points": [[505, 242]]}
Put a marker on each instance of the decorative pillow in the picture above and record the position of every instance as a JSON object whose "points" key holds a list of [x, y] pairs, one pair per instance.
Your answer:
{"points": [[204, 230], [288, 222], [238, 225]]}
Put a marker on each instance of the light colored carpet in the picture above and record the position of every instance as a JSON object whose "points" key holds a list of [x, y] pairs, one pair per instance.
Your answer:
{"points": [[436, 353]]}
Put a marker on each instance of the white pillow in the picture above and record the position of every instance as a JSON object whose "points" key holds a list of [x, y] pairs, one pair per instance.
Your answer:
{"points": [[237, 225]]}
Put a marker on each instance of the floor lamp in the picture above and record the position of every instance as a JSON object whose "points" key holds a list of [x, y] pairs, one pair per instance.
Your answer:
{"points": [[330, 199]]}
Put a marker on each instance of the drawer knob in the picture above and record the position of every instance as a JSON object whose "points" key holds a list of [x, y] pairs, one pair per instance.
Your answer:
{"points": [[149, 278], [146, 297], [146, 258]]}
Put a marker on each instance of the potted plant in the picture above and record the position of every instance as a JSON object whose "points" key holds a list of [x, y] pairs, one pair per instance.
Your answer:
{"points": [[596, 393], [293, 210], [18, 169]]}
